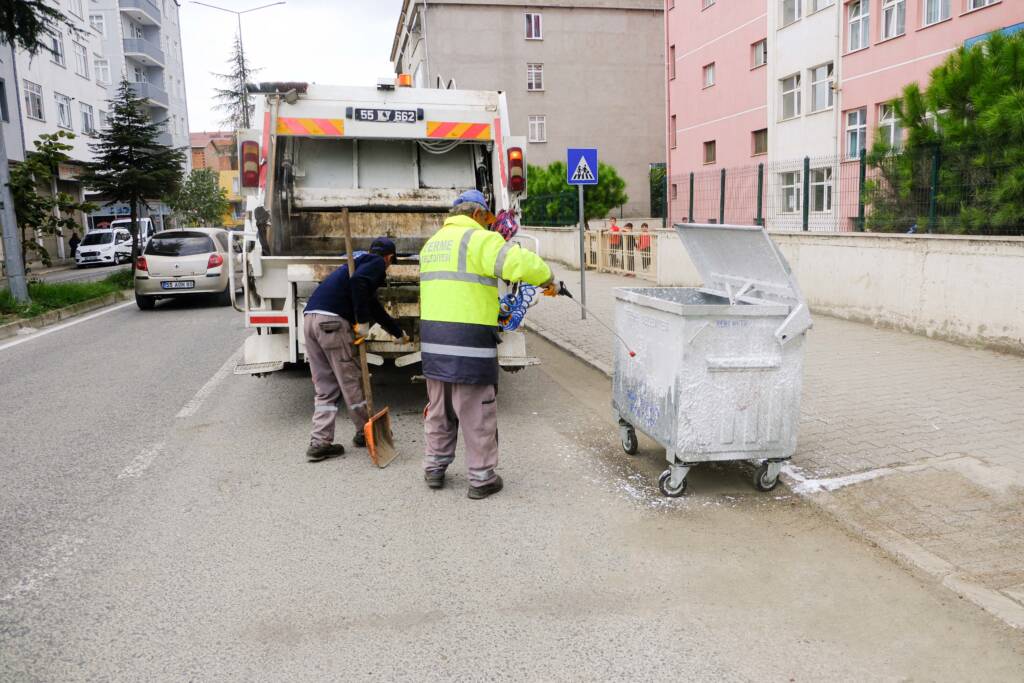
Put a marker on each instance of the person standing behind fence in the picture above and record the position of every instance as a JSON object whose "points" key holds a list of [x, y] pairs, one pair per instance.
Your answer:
{"points": [[615, 245], [643, 243], [628, 249]]}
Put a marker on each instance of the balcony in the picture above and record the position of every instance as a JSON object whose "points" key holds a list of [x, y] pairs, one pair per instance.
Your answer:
{"points": [[143, 51], [142, 11], [164, 138], [153, 95]]}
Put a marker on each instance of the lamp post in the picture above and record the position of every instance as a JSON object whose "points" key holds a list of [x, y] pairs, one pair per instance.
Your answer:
{"points": [[245, 77]]}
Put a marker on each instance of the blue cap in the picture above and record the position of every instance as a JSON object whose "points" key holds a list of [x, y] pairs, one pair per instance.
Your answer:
{"points": [[382, 246], [475, 196]]}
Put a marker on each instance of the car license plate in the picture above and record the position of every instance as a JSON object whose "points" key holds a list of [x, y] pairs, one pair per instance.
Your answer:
{"points": [[178, 284], [386, 115]]}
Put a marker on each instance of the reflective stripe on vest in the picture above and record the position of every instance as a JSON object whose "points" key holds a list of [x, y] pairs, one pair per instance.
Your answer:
{"points": [[452, 350]]}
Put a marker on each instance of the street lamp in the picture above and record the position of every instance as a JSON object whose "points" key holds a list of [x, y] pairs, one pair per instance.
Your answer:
{"points": [[241, 49]]}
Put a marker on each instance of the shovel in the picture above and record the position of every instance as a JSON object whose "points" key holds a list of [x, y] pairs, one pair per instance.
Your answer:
{"points": [[377, 431]]}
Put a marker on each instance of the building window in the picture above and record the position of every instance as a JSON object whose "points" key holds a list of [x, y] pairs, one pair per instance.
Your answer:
{"points": [[534, 76], [99, 24], [81, 59], [63, 110], [533, 26], [704, 4], [790, 97], [675, 191], [4, 112], [102, 119], [821, 87], [791, 191], [140, 75], [760, 141], [856, 132], [790, 11], [56, 47], [759, 52], [88, 122], [978, 4], [889, 126], [821, 190], [671, 61], [34, 101], [135, 31], [102, 68], [709, 152], [709, 75], [894, 18], [935, 11], [538, 129], [672, 131], [76, 7], [859, 20], [816, 5]]}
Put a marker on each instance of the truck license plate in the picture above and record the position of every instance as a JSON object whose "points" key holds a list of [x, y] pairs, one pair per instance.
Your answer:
{"points": [[178, 284], [386, 115]]}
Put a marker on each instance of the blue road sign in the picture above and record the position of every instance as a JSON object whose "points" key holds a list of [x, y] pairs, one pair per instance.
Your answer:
{"points": [[581, 167]]}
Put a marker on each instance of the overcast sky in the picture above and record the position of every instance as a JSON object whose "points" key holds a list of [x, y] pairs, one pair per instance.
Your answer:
{"points": [[344, 42]]}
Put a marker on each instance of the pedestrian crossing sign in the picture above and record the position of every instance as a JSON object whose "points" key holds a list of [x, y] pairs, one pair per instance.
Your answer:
{"points": [[581, 166]]}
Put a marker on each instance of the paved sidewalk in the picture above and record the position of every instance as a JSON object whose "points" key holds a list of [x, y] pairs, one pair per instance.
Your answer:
{"points": [[917, 444]]}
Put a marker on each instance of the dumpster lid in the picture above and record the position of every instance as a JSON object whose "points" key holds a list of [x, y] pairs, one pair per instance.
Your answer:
{"points": [[742, 263]]}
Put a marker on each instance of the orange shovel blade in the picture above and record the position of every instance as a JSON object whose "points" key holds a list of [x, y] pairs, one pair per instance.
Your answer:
{"points": [[379, 440]]}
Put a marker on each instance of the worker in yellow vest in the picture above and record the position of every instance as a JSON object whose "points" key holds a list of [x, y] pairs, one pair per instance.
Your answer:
{"points": [[459, 271]]}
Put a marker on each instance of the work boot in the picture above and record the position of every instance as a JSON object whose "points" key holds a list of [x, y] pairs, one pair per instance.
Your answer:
{"points": [[478, 492], [359, 439], [435, 479], [318, 452]]}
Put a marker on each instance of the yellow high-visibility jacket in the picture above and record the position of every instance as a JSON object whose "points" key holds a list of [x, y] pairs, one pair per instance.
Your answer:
{"points": [[459, 271]]}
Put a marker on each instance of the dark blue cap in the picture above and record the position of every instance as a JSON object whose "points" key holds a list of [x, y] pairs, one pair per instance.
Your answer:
{"points": [[382, 246], [475, 196]]}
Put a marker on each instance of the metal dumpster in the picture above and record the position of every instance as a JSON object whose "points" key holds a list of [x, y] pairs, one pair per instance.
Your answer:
{"points": [[718, 369]]}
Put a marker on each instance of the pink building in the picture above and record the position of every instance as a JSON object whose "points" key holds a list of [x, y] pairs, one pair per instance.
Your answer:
{"points": [[717, 90]]}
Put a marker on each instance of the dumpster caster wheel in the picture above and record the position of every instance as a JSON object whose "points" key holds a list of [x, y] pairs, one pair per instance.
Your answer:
{"points": [[664, 485], [629, 442], [762, 481]]}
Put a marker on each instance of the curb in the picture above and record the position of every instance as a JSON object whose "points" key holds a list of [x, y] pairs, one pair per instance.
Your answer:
{"points": [[568, 347], [14, 328]]}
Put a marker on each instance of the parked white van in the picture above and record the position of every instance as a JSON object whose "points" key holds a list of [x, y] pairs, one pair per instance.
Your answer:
{"points": [[104, 248]]}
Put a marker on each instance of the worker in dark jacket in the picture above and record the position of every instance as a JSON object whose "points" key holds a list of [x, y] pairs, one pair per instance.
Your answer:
{"points": [[340, 312]]}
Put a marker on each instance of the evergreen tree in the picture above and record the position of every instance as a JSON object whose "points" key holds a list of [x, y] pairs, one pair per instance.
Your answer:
{"points": [[131, 165], [234, 99], [201, 201]]}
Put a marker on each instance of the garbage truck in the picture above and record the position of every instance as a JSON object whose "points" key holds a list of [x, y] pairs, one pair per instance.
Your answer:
{"points": [[385, 160]]}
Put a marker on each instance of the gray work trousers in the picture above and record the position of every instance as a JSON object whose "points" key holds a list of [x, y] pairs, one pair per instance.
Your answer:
{"points": [[474, 407], [336, 374]]}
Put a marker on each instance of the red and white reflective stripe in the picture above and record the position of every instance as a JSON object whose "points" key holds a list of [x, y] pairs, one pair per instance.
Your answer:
{"points": [[264, 319]]}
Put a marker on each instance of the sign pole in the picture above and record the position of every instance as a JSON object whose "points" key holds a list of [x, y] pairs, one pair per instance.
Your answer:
{"points": [[583, 262]]}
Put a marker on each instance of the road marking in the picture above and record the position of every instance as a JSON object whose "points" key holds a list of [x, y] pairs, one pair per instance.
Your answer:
{"points": [[141, 463], [54, 557], [196, 402], [63, 326]]}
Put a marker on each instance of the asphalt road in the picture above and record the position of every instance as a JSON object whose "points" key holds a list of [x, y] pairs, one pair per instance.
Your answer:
{"points": [[158, 522]]}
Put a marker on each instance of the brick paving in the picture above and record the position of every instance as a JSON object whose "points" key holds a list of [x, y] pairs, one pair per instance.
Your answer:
{"points": [[943, 423]]}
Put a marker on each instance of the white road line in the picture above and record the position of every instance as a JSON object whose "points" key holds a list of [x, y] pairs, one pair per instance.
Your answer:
{"points": [[196, 402], [63, 326], [141, 462]]}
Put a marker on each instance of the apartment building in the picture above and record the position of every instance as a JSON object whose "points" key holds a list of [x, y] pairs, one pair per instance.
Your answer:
{"points": [[577, 73]]}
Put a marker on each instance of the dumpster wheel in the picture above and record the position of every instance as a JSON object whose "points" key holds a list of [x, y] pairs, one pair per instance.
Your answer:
{"points": [[630, 444], [664, 485], [763, 481]]}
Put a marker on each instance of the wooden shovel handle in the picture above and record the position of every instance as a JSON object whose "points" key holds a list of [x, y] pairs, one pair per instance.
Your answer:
{"points": [[363, 365]]}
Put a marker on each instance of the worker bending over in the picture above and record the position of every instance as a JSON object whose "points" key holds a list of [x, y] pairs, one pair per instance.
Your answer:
{"points": [[337, 315], [459, 271]]}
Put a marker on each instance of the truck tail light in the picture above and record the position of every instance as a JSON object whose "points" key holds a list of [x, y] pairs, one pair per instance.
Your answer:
{"points": [[516, 170], [216, 261], [140, 264], [250, 163]]}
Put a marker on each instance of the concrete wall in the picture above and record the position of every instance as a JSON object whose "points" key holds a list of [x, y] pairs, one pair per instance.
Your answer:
{"points": [[960, 289]]}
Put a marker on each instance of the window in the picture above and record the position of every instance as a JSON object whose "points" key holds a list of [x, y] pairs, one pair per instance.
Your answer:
{"points": [[859, 20], [889, 126], [894, 18], [102, 68], [533, 26], [790, 11], [99, 23], [856, 132], [56, 47], [34, 101], [760, 141], [4, 113], [790, 97], [709, 152], [821, 190], [671, 61], [88, 122], [63, 110], [672, 131], [791, 191], [706, 3], [140, 75], [709, 75], [759, 51], [821, 87], [102, 119], [935, 11], [538, 129], [978, 4], [135, 31], [816, 5], [675, 191], [81, 60], [534, 76]]}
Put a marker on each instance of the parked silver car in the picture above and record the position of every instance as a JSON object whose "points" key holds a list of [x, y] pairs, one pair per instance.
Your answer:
{"points": [[186, 262]]}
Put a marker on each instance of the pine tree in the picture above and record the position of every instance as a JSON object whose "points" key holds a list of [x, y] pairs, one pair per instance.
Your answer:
{"points": [[130, 164], [234, 99]]}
